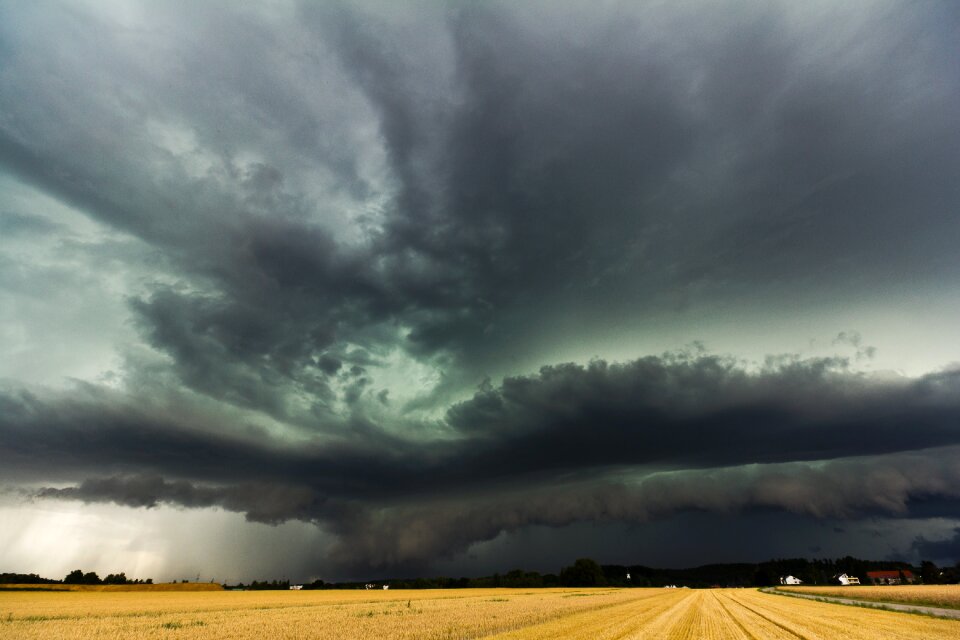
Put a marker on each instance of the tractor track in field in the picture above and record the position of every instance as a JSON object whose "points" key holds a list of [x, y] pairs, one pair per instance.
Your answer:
{"points": [[736, 621], [766, 616]]}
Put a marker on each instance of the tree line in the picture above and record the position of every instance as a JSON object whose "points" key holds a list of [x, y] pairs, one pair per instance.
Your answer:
{"points": [[77, 576], [588, 573]]}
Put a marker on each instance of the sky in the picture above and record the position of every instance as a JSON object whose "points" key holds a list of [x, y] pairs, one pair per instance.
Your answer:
{"points": [[344, 290]]}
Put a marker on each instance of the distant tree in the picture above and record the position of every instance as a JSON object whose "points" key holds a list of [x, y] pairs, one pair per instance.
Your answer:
{"points": [[264, 585], [24, 578], [519, 579], [74, 577], [766, 575], [584, 573], [91, 578], [929, 572], [116, 578]]}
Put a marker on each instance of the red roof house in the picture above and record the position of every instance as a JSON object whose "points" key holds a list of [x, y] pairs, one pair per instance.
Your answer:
{"points": [[891, 577]]}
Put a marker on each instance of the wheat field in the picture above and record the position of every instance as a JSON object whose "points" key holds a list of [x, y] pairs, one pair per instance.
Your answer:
{"points": [[501, 614], [932, 595], [163, 586]]}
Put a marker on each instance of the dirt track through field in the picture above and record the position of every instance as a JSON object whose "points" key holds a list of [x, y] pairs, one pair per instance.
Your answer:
{"points": [[875, 604]]}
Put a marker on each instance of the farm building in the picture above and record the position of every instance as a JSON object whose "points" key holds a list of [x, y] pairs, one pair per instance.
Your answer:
{"points": [[904, 576], [847, 580], [790, 580], [296, 587]]}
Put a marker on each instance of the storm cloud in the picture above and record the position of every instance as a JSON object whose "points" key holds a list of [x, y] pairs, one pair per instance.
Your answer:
{"points": [[399, 271], [574, 443]]}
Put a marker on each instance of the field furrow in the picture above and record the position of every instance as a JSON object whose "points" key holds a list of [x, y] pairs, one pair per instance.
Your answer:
{"points": [[664, 623], [767, 623], [746, 628], [623, 621], [715, 621]]}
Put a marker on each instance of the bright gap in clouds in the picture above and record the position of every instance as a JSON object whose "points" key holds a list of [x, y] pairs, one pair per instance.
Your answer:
{"points": [[164, 543]]}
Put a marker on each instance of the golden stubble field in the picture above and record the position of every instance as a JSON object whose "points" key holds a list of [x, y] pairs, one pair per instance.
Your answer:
{"points": [[932, 595], [587, 614]]}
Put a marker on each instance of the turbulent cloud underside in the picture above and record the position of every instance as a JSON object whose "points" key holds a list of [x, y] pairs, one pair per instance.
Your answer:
{"points": [[340, 263]]}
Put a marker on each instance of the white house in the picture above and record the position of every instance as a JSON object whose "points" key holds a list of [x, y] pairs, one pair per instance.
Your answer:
{"points": [[385, 587], [790, 580], [848, 580], [296, 587]]}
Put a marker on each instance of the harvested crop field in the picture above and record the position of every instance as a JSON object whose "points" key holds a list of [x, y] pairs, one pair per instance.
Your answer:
{"points": [[113, 588], [475, 613], [932, 595]]}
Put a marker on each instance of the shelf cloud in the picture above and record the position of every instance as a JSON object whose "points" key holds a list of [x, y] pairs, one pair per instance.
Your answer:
{"points": [[427, 276]]}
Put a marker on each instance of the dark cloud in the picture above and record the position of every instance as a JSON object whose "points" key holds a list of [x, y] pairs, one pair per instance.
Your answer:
{"points": [[940, 550], [542, 140], [507, 147], [260, 502], [321, 226], [367, 535], [678, 410], [603, 442], [705, 411]]}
